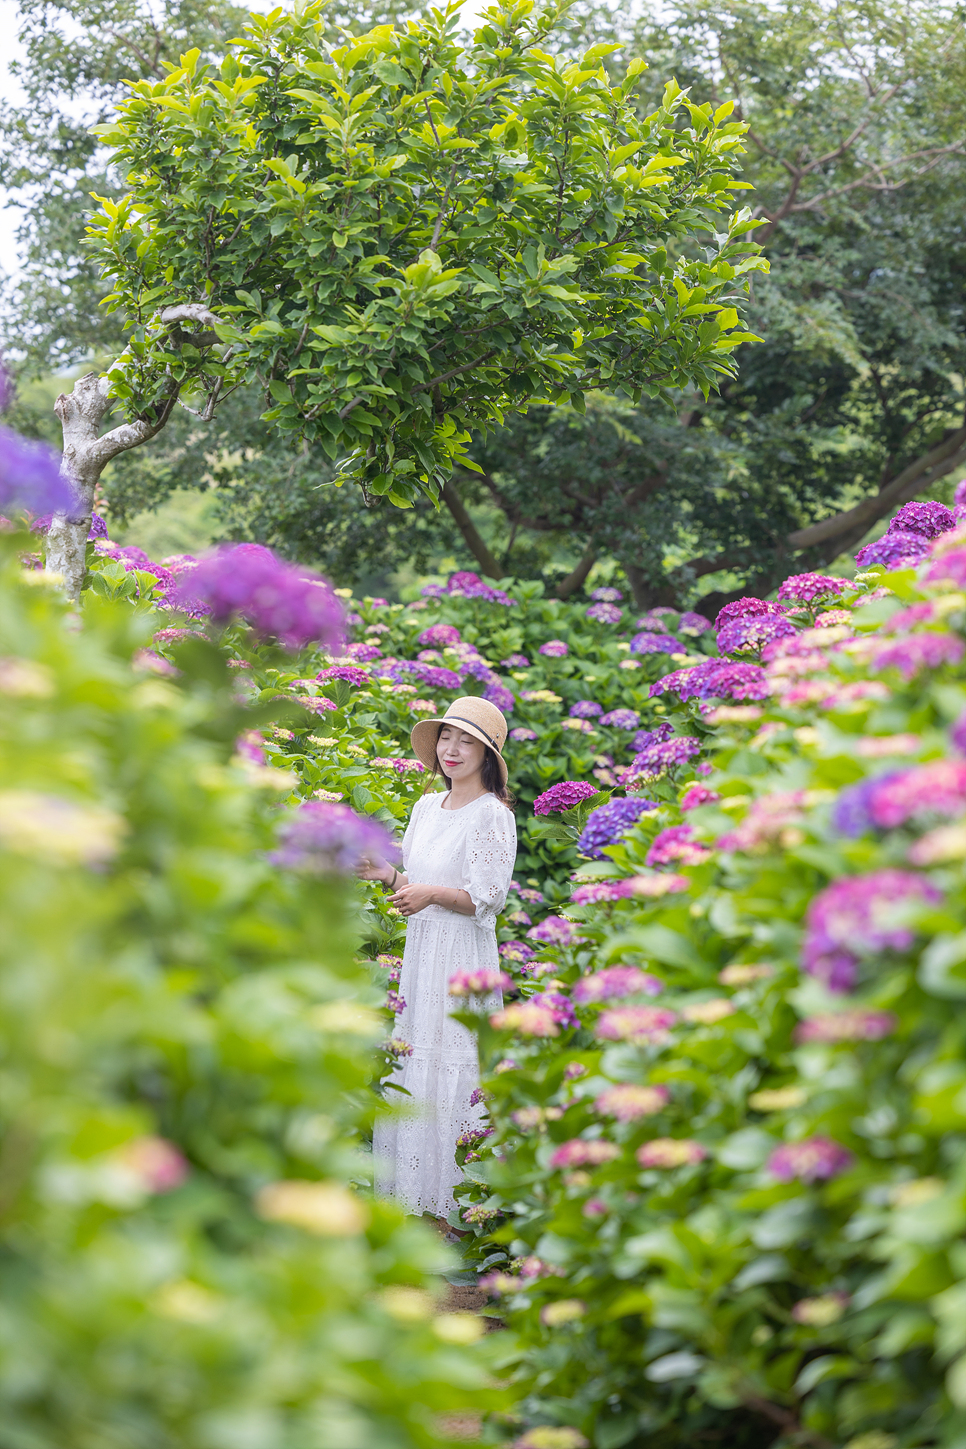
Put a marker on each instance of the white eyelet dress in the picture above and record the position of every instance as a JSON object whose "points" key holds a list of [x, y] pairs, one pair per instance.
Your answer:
{"points": [[472, 849]]}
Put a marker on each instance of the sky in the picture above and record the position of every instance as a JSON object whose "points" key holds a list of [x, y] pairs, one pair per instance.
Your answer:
{"points": [[11, 92]]}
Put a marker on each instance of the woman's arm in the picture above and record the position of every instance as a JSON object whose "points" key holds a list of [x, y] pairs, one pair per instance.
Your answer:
{"points": [[370, 869], [412, 898]]}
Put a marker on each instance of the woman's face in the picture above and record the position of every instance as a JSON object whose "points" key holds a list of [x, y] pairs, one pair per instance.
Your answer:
{"points": [[460, 754]]}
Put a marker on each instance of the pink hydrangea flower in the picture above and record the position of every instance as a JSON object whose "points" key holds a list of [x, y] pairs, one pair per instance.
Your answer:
{"points": [[573, 1070], [677, 843], [349, 673], [805, 588], [696, 795], [579, 1152], [563, 796], [813, 1160], [670, 1152], [857, 916], [627, 1101], [936, 788], [554, 649], [439, 636], [555, 931], [917, 652], [527, 1018], [604, 613], [646, 1025], [770, 820], [847, 1026], [479, 983], [155, 1162], [516, 951], [753, 632], [742, 608], [614, 982]]}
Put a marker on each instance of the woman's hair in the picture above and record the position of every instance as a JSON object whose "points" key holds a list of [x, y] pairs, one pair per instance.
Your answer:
{"points": [[489, 774]]}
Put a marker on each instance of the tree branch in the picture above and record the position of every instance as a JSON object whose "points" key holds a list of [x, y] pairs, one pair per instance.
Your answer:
{"points": [[576, 577]]}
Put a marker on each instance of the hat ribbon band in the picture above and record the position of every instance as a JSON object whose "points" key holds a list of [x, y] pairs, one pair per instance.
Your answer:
{"points": [[463, 720]]}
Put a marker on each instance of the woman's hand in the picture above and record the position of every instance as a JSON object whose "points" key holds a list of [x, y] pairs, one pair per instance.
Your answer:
{"points": [[371, 867], [413, 898]]}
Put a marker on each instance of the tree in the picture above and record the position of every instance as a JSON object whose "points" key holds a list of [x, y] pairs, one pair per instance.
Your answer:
{"points": [[414, 241]]}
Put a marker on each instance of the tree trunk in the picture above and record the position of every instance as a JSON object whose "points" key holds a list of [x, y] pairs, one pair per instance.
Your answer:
{"points": [[471, 534], [575, 579]]}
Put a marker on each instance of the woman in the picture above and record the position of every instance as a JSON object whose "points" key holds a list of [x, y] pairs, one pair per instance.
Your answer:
{"points": [[457, 854]]}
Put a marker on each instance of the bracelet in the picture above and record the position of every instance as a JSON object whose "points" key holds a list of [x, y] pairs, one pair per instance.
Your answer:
{"points": [[395, 876]]}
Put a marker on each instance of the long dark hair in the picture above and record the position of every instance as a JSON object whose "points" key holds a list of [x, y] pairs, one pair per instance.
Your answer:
{"points": [[490, 774]]}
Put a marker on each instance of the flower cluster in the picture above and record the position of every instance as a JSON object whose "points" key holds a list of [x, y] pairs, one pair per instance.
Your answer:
{"points": [[527, 1019], [584, 1152], [554, 931], [516, 661], [320, 837], [771, 819], [607, 596], [278, 600], [847, 1026], [693, 624], [743, 608], [929, 519], [615, 982], [621, 719], [479, 983], [668, 755], [349, 673], [585, 709], [438, 636], [858, 916], [716, 679], [813, 1160], [520, 734], [563, 796], [645, 1025], [893, 551], [628, 1101], [676, 843], [806, 588], [554, 649], [917, 652], [890, 800], [696, 795], [671, 1152], [30, 476], [609, 823], [605, 613], [752, 632], [559, 1006]]}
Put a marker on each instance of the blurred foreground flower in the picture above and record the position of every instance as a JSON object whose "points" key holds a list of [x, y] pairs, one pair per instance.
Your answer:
{"points": [[30, 476], [320, 837], [58, 831], [627, 1101], [324, 1208], [277, 599], [670, 1152], [810, 1161], [478, 983], [581, 1152]]}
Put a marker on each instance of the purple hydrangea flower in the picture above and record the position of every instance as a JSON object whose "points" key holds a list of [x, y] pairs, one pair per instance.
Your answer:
{"points": [[696, 795], [621, 719], [439, 636], [716, 679], [320, 837], [607, 596], [957, 733], [293, 604], [677, 843], [742, 608], [857, 916], [497, 693], [656, 620], [645, 738], [605, 613], [936, 788], [752, 632], [516, 661], [432, 591], [919, 651], [520, 734], [852, 813], [30, 476], [693, 624], [585, 709], [364, 653], [555, 931], [804, 588], [666, 755], [930, 519], [608, 823], [470, 586], [894, 550], [349, 673], [647, 643], [813, 1160], [434, 676], [98, 528], [560, 1006], [554, 649], [615, 982], [563, 796]]}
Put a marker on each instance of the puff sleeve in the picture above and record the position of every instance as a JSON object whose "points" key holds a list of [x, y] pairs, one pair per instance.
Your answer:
{"points": [[491, 852]]}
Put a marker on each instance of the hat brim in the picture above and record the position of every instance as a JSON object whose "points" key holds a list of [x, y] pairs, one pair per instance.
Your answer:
{"points": [[423, 738]]}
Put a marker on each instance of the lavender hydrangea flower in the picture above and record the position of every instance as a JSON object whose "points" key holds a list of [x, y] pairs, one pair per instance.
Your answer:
{"points": [[852, 812], [936, 788], [434, 676], [836, 1026], [585, 709], [813, 1160], [348, 673], [30, 476], [621, 719], [363, 653], [554, 649], [555, 931], [321, 838], [98, 528], [930, 519], [580, 1152], [468, 585], [645, 738], [563, 796], [894, 550], [520, 734], [743, 608], [805, 588], [696, 795], [607, 596], [752, 632], [605, 613], [497, 693], [609, 823], [693, 624], [559, 1006], [648, 643], [614, 983], [666, 756], [293, 604], [439, 636], [657, 620], [516, 661], [858, 916], [919, 651]]}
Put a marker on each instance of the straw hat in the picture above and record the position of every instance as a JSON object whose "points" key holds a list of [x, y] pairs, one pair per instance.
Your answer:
{"points": [[476, 716]]}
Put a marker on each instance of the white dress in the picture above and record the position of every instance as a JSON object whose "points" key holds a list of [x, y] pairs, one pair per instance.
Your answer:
{"points": [[473, 849]]}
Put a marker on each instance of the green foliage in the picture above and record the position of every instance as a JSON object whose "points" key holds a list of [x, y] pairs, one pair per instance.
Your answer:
{"points": [[187, 1048], [404, 240]]}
